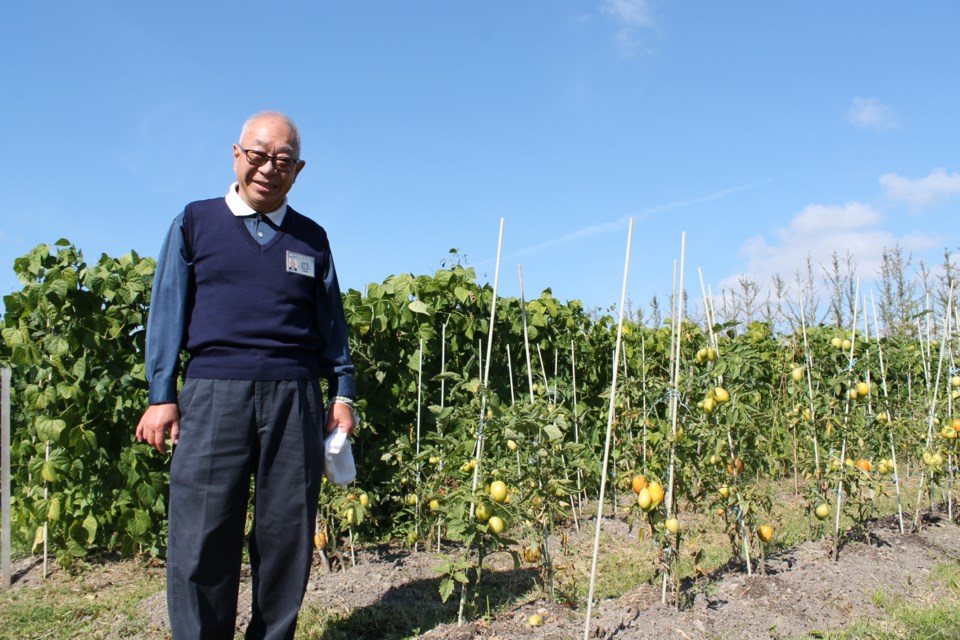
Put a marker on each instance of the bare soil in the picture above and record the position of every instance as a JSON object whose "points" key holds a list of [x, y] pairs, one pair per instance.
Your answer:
{"points": [[802, 591]]}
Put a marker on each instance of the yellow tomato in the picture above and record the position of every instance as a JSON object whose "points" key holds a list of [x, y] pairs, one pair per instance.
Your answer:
{"points": [[484, 511], [498, 490], [672, 525], [709, 404], [644, 499], [656, 493]]}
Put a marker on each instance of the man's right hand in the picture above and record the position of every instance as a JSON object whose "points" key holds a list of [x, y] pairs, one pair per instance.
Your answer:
{"points": [[156, 421]]}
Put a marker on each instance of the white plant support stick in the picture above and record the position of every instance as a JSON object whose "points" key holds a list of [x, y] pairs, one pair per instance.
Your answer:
{"points": [[443, 364], [543, 370], [46, 525], [643, 390], [478, 449], [846, 421], [443, 369], [526, 339], [933, 400], [606, 446], [419, 402], [675, 395], [886, 410], [513, 399], [576, 424], [808, 363], [556, 374], [5, 524], [675, 375]]}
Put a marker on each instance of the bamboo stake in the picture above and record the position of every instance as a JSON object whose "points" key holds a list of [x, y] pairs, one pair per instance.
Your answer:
{"points": [[478, 448], [606, 446]]}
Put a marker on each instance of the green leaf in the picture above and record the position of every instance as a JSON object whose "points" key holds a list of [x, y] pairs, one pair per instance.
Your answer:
{"points": [[553, 432], [49, 429], [418, 306], [140, 524], [91, 526], [446, 589]]}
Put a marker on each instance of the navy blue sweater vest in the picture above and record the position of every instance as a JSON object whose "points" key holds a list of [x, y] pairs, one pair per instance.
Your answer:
{"points": [[254, 309]]}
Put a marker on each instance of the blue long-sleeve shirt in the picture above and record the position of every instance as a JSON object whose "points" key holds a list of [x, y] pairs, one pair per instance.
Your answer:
{"points": [[172, 294]]}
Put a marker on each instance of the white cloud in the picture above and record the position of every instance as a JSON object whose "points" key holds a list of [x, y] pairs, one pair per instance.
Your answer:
{"points": [[631, 16], [870, 113], [826, 220], [820, 231], [922, 192], [630, 13]]}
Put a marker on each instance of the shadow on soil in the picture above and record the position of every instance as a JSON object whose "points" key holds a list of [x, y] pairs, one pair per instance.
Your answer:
{"points": [[415, 607]]}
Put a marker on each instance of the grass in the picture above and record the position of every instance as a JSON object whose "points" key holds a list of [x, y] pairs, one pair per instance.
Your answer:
{"points": [[936, 619], [100, 596]]}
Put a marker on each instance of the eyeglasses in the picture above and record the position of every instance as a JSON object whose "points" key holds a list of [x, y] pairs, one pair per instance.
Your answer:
{"points": [[259, 158]]}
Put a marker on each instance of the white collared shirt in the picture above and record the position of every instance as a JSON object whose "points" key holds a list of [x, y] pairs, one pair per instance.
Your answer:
{"points": [[240, 208]]}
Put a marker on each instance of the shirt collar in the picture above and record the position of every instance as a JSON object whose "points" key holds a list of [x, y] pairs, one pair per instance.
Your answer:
{"points": [[240, 208]]}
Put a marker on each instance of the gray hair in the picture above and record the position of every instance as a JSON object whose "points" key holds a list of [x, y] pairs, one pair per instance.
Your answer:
{"points": [[270, 113]]}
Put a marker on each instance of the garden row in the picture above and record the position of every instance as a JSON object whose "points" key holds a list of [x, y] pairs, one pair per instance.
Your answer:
{"points": [[491, 436]]}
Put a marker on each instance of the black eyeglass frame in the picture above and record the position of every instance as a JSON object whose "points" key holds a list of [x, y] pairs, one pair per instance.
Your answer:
{"points": [[260, 158]]}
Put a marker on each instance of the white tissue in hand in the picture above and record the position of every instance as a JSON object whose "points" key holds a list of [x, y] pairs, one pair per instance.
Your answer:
{"points": [[335, 442], [339, 467]]}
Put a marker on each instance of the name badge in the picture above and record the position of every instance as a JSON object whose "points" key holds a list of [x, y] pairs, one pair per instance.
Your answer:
{"points": [[301, 264]]}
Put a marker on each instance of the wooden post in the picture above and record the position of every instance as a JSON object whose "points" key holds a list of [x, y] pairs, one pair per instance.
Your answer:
{"points": [[5, 477]]}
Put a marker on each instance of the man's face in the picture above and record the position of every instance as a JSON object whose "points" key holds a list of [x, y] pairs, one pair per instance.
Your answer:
{"points": [[264, 187]]}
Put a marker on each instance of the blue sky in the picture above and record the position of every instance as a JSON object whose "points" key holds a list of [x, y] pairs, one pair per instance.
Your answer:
{"points": [[767, 131]]}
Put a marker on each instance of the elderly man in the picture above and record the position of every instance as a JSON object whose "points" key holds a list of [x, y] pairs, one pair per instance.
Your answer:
{"points": [[247, 287]]}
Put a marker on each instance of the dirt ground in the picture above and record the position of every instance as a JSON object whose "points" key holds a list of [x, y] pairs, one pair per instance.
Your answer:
{"points": [[803, 591]]}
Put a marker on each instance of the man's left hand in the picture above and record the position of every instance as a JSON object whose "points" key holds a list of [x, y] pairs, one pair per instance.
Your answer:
{"points": [[341, 415]]}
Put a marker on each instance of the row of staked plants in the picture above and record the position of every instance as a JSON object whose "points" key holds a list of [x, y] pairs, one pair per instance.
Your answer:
{"points": [[472, 448]]}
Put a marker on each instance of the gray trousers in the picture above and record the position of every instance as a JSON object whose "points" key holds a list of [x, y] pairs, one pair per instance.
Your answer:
{"points": [[230, 431]]}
